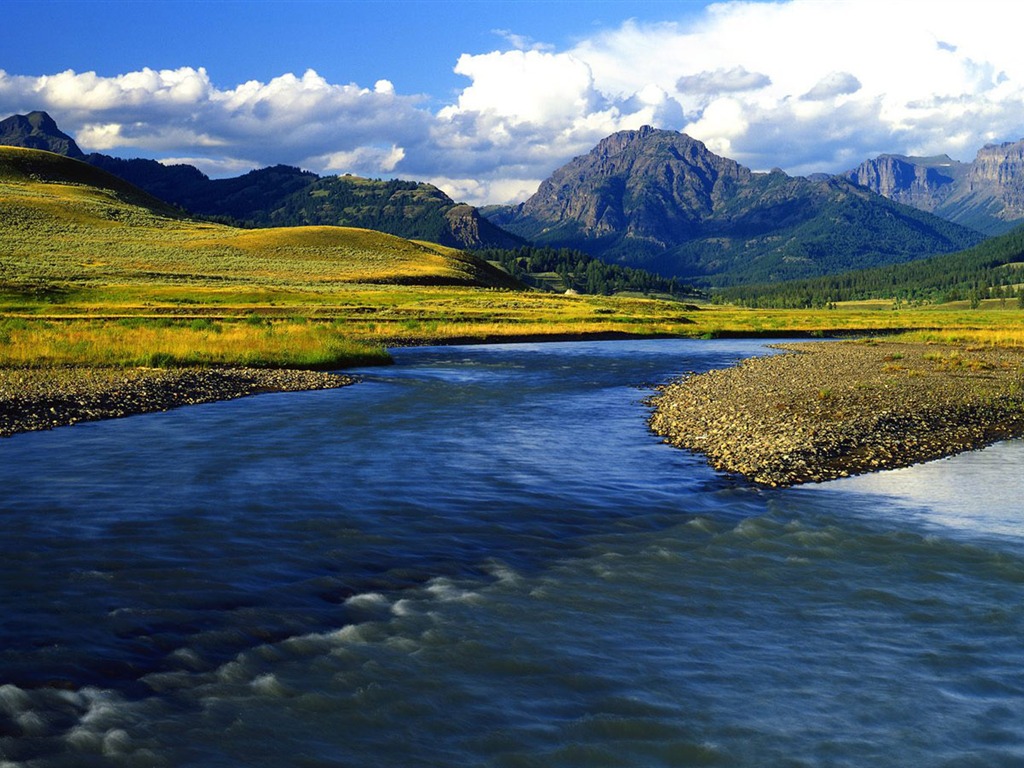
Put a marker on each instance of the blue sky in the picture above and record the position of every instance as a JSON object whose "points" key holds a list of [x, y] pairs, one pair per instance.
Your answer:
{"points": [[487, 98], [413, 43]]}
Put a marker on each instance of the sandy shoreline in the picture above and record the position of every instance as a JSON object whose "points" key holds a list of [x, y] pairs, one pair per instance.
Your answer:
{"points": [[832, 409], [35, 399]]}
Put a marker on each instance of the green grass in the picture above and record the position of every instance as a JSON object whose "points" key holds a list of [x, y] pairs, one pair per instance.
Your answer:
{"points": [[61, 234], [90, 277]]}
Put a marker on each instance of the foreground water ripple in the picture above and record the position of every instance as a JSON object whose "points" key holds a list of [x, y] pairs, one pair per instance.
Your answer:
{"points": [[480, 556]]}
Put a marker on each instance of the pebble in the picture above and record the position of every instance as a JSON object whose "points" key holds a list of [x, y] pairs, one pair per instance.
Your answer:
{"points": [[43, 398], [827, 410]]}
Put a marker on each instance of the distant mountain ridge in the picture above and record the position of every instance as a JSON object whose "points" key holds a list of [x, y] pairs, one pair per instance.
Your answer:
{"points": [[282, 196], [986, 194], [661, 200]]}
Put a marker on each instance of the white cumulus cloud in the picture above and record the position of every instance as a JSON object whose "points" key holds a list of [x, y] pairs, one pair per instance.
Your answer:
{"points": [[525, 86], [723, 81], [788, 84], [832, 85], [296, 119]]}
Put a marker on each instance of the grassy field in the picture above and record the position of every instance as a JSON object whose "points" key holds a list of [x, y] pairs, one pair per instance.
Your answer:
{"points": [[120, 325], [93, 273]]}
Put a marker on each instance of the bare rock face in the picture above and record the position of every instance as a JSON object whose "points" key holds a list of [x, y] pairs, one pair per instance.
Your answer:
{"points": [[998, 171], [648, 184], [924, 183], [986, 194], [468, 229], [37, 130]]}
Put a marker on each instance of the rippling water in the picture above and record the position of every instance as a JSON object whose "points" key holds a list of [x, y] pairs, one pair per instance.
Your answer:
{"points": [[480, 556]]}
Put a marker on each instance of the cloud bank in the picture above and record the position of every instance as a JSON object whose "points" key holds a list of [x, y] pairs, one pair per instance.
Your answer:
{"points": [[802, 85]]}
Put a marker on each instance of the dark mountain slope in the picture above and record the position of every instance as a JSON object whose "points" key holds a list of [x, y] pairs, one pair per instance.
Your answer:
{"points": [[991, 269], [283, 196], [243, 199], [37, 130]]}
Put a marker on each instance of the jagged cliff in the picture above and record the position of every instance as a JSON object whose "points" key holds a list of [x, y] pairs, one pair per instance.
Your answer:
{"points": [[986, 194], [918, 181]]}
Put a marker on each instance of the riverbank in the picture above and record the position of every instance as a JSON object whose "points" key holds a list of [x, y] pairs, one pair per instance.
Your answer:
{"points": [[826, 410], [43, 398]]}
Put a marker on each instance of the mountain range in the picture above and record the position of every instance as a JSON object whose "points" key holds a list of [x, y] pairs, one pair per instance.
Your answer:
{"points": [[986, 194], [282, 195], [661, 200], [66, 223], [648, 198]]}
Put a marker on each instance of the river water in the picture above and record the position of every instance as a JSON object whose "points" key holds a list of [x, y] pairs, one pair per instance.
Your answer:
{"points": [[481, 557]]}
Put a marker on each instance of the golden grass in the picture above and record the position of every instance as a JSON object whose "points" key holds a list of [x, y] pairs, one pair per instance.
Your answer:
{"points": [[142, 343], [984, 337], [87, 278], [69, 234]]}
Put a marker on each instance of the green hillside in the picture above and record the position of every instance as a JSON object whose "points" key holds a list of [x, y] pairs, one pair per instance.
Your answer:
{"points": [[20, 166], [69, 224], [283, 196], [991, 269]]}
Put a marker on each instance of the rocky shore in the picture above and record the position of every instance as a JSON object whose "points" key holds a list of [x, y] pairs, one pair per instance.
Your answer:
{"points": [[34, 399], [826, 410]]}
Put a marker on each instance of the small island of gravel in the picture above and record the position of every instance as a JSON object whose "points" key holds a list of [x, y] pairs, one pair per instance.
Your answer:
{"points": [[43, 398], [826, 410]]}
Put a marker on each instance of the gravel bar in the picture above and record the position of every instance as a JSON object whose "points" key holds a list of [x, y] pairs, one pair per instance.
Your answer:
{"points": [[44, 398], [830, 409]]}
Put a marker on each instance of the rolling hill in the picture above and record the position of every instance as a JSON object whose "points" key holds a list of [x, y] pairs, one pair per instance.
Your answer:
{"points": [[67, 223], [282, 196]]}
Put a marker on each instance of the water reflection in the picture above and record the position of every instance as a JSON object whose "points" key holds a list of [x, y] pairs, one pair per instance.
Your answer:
{"points": [[977, 492]]}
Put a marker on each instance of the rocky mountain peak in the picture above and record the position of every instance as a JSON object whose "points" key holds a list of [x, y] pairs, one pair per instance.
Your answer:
{"points": [[998, 164], [37, 130], [651, 184], [921, 182], [620, 140]]}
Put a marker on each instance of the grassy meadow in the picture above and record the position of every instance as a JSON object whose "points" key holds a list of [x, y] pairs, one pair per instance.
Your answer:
{"points": [[93, 274]]}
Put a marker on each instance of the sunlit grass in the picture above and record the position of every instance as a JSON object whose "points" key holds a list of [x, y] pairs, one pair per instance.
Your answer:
{"points": [[69, 234], [982, 337], [254, 342], [87, 278]]}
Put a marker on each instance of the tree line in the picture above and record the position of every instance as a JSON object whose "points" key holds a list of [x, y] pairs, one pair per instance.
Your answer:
{"points": [[993, 269], [581, 272]]}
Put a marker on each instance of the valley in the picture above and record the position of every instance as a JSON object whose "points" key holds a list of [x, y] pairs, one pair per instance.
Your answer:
{"points": [[104, 286], [511, 384]]}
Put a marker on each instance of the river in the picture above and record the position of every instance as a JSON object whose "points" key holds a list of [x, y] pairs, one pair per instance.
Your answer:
{"points": [[480, 556]]}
